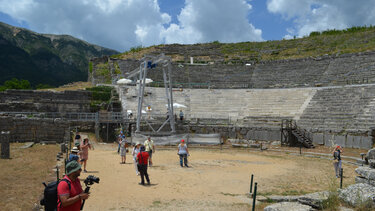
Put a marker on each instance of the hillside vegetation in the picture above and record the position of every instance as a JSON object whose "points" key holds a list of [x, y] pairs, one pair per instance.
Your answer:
{"points": [[331, 42], [44, 59]]}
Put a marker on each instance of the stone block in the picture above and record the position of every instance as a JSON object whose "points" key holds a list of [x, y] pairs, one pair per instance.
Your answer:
{"points": [[288, 206], [340, 140], [366, 142], [371, 154], [357, 194], [349, 141], [357, 142], [274, 135], [366, 172], [329, 139], [318, 138]]}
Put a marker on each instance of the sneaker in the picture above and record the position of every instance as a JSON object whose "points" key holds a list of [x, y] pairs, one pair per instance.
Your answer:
{"points": [[148, 183], [85, 171], [187, 165], [141, 183]]}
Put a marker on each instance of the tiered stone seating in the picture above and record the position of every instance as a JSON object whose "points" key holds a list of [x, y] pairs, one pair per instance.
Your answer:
{"points": [[231, 104], [340, 108]]}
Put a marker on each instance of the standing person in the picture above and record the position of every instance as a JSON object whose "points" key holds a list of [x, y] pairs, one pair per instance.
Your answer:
{"points": [[74, 155], [123, 150], [84, 154], [142, 159], [337, 160], [69, 191], [136, 150], [183, 152], [77, 139], [181, 115], [119, 139], [150, 148]]}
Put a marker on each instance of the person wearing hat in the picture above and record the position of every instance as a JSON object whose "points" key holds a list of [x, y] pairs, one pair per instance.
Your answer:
{"points": [[183, 153], [142, 159], [136, 150], [69, 191], [77, 139], [150, 148], [337, 160], [74, 155]]}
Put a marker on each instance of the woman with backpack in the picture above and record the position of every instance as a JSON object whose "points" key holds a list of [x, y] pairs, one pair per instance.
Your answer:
{"points": [[183, 153], [337, 160]]}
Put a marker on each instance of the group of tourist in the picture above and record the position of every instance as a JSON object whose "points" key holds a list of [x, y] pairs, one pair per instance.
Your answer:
{"points": [[80, 151]]}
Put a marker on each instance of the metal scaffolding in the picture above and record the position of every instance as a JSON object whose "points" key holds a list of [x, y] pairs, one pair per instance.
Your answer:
{"points": [[149, 62]]}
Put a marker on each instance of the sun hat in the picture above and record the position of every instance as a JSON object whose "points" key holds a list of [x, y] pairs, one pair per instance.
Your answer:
{"points": [[137, 143], [75, 149], [72, 167]]}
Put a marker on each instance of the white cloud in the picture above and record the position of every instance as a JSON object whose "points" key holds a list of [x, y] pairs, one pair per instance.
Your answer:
{"points": [[320, 15], [122, 24], [205, 21]]}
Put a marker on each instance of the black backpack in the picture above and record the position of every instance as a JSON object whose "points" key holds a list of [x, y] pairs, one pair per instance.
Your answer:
{"points": [[50, 195]]}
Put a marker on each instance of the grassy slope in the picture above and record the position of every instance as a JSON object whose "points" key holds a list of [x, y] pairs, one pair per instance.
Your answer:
{"points": [[360, 39]]}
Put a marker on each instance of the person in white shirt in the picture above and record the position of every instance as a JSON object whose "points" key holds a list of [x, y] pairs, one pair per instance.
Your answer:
{"points": [[136, 150]]}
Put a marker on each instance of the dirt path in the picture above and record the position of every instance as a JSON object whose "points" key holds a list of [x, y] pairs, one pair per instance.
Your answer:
{"points": [[217, 180]]}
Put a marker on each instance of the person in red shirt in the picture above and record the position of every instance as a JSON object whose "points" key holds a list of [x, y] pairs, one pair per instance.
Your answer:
{"points": [[70, 199], [142, 159]]}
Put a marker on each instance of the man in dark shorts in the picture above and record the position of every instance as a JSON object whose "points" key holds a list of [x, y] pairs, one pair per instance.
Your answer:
{"points": [[142, 159]]}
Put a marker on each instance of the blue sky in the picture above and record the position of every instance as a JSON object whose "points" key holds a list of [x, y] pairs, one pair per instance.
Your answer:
{"points": [[122, 24]]}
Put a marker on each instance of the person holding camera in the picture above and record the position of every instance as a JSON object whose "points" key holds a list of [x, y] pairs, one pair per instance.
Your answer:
{"points": [[142, 159], [150, 148], [69, 191], [337, 160], [183, 153]]}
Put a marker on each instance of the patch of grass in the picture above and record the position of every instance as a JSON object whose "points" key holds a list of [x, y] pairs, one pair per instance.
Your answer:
{"points": [[21, 176], [229, 194], [333, 201]]}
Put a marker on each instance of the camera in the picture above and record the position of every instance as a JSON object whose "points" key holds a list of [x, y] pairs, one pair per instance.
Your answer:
{"points": [[91, 179]]}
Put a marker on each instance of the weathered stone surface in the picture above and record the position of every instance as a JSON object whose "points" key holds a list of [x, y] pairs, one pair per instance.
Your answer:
{"points": [[288, 206], [371, 163], [366, 172], [357, 194], [371, 154], [277, 198], [314, 200], [27, 145], [359, 179]]}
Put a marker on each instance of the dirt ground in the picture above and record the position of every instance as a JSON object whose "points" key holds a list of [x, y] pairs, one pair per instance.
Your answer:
{"points": [[217, 179]]}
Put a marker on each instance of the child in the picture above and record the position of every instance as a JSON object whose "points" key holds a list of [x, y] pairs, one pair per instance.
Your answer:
{"points": [[183, 152]]}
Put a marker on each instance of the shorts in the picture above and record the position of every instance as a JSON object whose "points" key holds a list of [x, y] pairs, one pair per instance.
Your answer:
{"points": [[150, 153]]}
